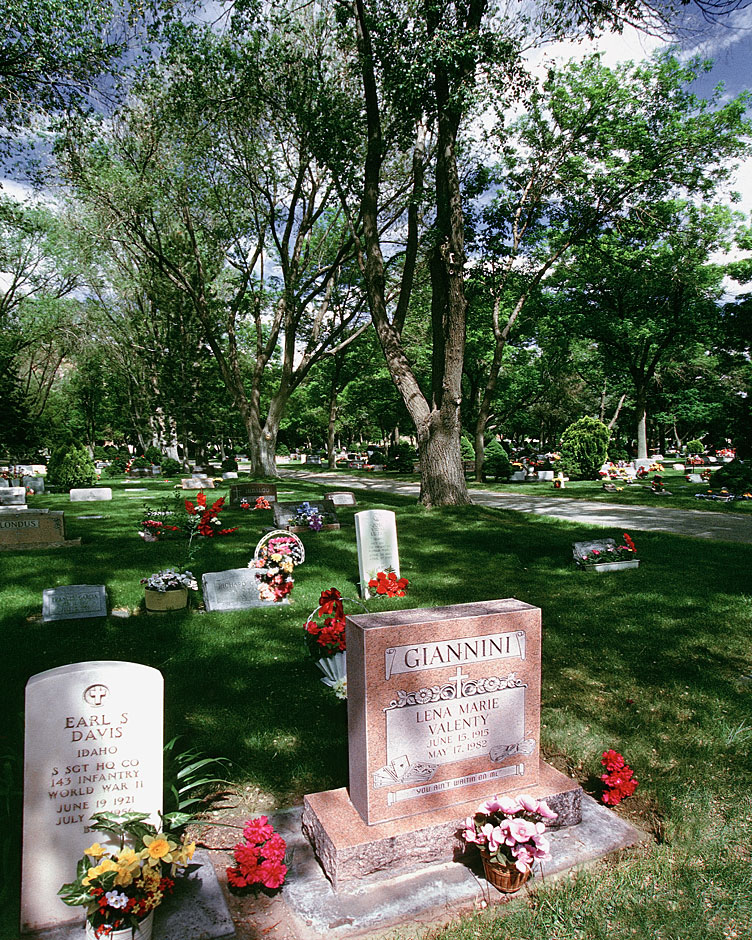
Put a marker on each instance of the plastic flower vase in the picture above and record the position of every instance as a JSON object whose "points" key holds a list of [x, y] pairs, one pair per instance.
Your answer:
{"points": [[142, 932], [334, 667], [506, 877]]}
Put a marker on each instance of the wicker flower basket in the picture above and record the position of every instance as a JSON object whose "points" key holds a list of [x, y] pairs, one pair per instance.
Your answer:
{"points": [[505, 878]]}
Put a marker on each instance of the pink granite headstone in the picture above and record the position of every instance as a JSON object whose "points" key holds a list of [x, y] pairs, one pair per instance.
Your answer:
{"points": [[443, 706]]}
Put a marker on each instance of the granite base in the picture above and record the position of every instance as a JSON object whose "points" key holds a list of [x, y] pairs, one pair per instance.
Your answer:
{"points": [[347, 848]]}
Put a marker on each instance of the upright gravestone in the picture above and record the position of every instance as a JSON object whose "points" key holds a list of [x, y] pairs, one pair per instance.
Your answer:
{"points": [[91, 746], [443, 712], [74, 602], [11, 497], [376, 538], [91, 494], [251, 491], [34, 483], [32, 529]]}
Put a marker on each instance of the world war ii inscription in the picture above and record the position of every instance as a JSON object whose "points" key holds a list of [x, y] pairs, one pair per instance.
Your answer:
{"points": [[93, 744], [443, 704]]}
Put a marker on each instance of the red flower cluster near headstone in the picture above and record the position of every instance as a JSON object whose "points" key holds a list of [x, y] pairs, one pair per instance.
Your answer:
{"points": [[389, 584], [619, 780], [208, 523], [329, 638], [260, 857]]}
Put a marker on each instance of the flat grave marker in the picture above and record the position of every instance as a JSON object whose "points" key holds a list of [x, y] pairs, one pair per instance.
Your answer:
{"points": [[376, 538], [345, 498], [74, 601], [90, 494], [91, 745], [197, 483], [234, 589]]}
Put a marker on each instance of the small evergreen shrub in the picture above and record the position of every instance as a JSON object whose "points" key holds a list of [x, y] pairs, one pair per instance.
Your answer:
{"points": [[100, 453], [170, 466], [140, 463], [695, 447], [584, 445], [153, 455], [283, 450], [70, 466], [466, 448], [496, 461], [229, 465], [400, 457], [735, 476]]}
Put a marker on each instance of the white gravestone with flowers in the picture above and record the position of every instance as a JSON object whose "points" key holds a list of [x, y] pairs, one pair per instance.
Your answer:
{"points": [[376, 538], [93, 744]]}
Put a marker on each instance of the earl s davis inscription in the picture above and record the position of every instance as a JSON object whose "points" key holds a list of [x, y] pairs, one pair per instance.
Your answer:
{"points": [[91, 747], [444, 717]]}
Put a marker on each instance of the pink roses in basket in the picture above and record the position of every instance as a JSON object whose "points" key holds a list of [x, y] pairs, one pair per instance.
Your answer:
{"points": [[511, 830]]}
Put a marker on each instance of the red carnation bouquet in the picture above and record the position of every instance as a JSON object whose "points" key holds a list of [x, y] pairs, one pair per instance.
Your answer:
{"points": [[388, 584], [260, 857], [619, 778]]}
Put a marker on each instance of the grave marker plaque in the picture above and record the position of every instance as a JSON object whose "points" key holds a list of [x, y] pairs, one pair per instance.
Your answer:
{"points": [[443, 706], [251, 491], [234, 589], [91, 494], [197, 483], [344, 498], [376, 538], [93, 743], [74, 602]]}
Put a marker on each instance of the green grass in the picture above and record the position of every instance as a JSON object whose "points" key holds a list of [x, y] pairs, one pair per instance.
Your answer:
{"points": [[650, 661]]}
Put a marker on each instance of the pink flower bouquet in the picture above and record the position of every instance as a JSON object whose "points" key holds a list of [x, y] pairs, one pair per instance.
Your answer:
{"points": [[511, 830]]}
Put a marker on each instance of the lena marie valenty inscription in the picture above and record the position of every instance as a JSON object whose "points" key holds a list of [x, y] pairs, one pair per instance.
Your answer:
{"points": [[452, 714]]}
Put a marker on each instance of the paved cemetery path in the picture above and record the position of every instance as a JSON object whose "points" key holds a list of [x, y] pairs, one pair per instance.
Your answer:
{"points": [[660, 518]]}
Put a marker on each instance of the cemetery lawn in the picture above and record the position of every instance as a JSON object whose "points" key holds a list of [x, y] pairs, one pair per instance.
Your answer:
{"points": [[653, 662]]}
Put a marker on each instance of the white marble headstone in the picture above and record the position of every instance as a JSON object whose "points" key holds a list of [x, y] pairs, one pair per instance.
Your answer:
{"points": [[93, 743], [376, 538]]}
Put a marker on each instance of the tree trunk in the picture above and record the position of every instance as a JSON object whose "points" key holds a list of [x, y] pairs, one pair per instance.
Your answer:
{"points": [[330, 452], [442, 480], [641, 411]]}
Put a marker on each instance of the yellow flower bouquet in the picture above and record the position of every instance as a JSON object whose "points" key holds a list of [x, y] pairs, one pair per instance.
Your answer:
{"points": [[120, 888]]}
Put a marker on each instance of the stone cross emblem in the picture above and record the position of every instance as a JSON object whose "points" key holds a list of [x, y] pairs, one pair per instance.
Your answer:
{"points": [[96, 694]]}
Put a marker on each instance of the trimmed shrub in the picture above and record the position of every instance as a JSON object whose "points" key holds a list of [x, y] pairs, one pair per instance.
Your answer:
{"points": [[735, 476], [466, 448], [694, 447], [496, 461], [229, 465], [170, 466], [70, 466], [141, 463], [584, 445], [400, 457], [153, 455], [283, 450], [100, 453]]}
